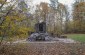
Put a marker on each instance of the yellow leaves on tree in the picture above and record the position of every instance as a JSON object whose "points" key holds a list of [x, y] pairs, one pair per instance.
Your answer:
{"points": [[11, 27], [2, 1], [22, 32]]}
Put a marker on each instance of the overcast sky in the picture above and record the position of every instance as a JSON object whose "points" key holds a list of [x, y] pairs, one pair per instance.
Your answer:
{"points": [[66, 2]]}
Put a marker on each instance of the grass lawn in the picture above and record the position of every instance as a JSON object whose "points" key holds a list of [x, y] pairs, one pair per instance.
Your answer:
{"points": [[77, 37]]}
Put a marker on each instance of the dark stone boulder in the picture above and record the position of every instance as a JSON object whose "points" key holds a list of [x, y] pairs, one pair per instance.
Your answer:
{"points": [[40, 37]]}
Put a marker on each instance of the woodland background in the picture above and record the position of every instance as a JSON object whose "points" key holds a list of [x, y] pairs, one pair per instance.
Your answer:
{"points": [[18, 18]]}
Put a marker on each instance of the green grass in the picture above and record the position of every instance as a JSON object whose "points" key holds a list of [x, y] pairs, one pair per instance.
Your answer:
{"points": [[77, 37]]}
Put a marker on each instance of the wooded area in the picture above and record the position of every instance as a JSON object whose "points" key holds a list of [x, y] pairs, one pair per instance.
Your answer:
{"points": [[17, 18], [42, 29]]}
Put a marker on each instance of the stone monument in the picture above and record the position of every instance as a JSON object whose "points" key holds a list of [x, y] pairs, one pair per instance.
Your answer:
{"points": [[40, 33]]}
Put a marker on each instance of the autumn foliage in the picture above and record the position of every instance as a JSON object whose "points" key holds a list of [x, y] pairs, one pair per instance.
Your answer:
{"points": [[78, 18]]}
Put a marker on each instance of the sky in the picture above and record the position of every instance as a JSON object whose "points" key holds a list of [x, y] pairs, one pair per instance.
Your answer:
{"points": [[69, 3], [66, 2]]}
